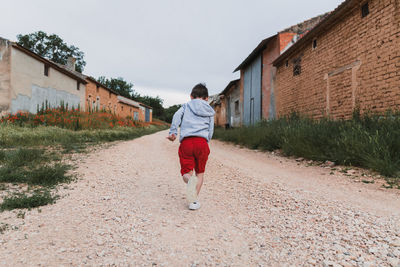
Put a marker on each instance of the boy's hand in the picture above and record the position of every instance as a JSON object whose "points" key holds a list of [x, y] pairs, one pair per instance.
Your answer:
{"points": [[171, 138]]}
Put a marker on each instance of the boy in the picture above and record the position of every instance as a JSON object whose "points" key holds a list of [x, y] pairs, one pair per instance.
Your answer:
{"points": [[196, 119]]}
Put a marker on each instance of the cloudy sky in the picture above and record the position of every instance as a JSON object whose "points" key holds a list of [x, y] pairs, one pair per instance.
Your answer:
{"points": [[164, 47]]}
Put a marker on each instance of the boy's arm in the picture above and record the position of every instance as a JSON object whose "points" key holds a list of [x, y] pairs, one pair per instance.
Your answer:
{"points": [[211, 128], [176, 122]]}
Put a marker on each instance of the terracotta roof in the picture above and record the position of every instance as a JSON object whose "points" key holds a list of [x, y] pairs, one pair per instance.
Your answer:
{"points": [[330, 20], [72, 74]]}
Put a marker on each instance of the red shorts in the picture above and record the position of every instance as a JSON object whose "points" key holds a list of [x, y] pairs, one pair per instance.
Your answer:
{"points": [[193, 154]]}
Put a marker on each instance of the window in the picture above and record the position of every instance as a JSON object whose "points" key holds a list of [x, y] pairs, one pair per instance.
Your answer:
{"points": [[364, 10], [297, 66], [314, 44], [287, 63], [78, 84], [97, 88], [46, 70], [109, 94], [122, 108], [237, 107]]}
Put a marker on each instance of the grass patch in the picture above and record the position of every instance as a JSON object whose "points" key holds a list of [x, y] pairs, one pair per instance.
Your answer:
{"points": [[32, 167], [15, 136], [33, 156], [369, 141], [37, 198]]}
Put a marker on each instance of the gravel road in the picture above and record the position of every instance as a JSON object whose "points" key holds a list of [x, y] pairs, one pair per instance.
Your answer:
{"points": [[258, 209]]}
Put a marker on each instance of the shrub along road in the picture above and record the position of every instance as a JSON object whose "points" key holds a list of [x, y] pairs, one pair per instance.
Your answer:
{"points": [[128, 208]]}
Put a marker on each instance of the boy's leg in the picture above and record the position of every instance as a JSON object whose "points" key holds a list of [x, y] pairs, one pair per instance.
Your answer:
{"points": [[200, 177], [186, 160], [187, 176], [201, 156]]}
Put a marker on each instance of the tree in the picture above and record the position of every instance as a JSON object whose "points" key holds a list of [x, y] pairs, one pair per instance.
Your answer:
{"points": [[53, 48], [155, 102], [169, 112], [119, 85]]}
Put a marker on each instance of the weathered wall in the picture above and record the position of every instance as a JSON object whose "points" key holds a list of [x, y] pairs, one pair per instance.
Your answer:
{"points": [[142, 111], [5, 76], [233, 95], [356, 64], [30, 87], [218, 119], [268, 78], [241, 89], [100, 97], [220, 113], [125, 110]]}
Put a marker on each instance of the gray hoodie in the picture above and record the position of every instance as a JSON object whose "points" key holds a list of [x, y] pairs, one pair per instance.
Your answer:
{"points": [[196, 118]]}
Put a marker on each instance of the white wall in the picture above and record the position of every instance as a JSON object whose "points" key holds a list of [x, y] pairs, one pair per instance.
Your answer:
{"points": [[4, 76], [30, 87]]}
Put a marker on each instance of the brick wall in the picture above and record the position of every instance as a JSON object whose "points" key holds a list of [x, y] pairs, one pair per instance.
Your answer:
{"points": [[356, 64], [98, 96], [125, 110]]}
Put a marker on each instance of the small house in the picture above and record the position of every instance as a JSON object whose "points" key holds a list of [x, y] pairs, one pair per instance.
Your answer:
{"points": [[28, 81]]}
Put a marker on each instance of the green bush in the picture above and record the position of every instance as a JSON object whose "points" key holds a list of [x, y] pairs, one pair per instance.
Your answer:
{"points": [[370, 140]]}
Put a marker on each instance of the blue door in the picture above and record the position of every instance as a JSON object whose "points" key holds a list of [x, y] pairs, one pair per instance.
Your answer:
{"points": [[147, 115], [252, 93]]}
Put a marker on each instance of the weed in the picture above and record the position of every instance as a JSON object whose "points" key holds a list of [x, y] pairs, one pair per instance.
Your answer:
{"points": [[21, 214], [368, 181], [3, 227], [40, 197], [368, 140]]}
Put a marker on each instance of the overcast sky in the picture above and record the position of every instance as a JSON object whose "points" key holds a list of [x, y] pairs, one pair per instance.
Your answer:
{"points": [[164, 47]]}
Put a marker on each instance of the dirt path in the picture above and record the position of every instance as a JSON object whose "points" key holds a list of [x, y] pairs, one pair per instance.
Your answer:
{"points": [[128, 209]]}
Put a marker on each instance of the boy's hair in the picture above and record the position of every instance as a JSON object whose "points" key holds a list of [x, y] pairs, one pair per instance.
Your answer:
{"points": [[199, 91]]}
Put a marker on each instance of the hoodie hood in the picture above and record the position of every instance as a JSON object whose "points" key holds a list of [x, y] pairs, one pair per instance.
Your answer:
{"points": [[201, 108]]}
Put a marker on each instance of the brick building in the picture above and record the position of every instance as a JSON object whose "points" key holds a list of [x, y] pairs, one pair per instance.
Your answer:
{"points": [[128, 108], [349, 60], [257, 73], [227, 106], [146, 113], [99, 97]]}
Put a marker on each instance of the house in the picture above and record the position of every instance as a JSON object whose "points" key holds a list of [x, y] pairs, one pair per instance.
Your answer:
{"points": [[146, 113], [227, 106], [231, 97], [219, 108], [128, 108], [257, 74], [28, 80], [350, 60], [100, 97]]}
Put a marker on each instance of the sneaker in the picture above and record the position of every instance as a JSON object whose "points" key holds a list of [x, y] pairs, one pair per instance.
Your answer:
{"points": [[191, 189], [194, 205]]}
